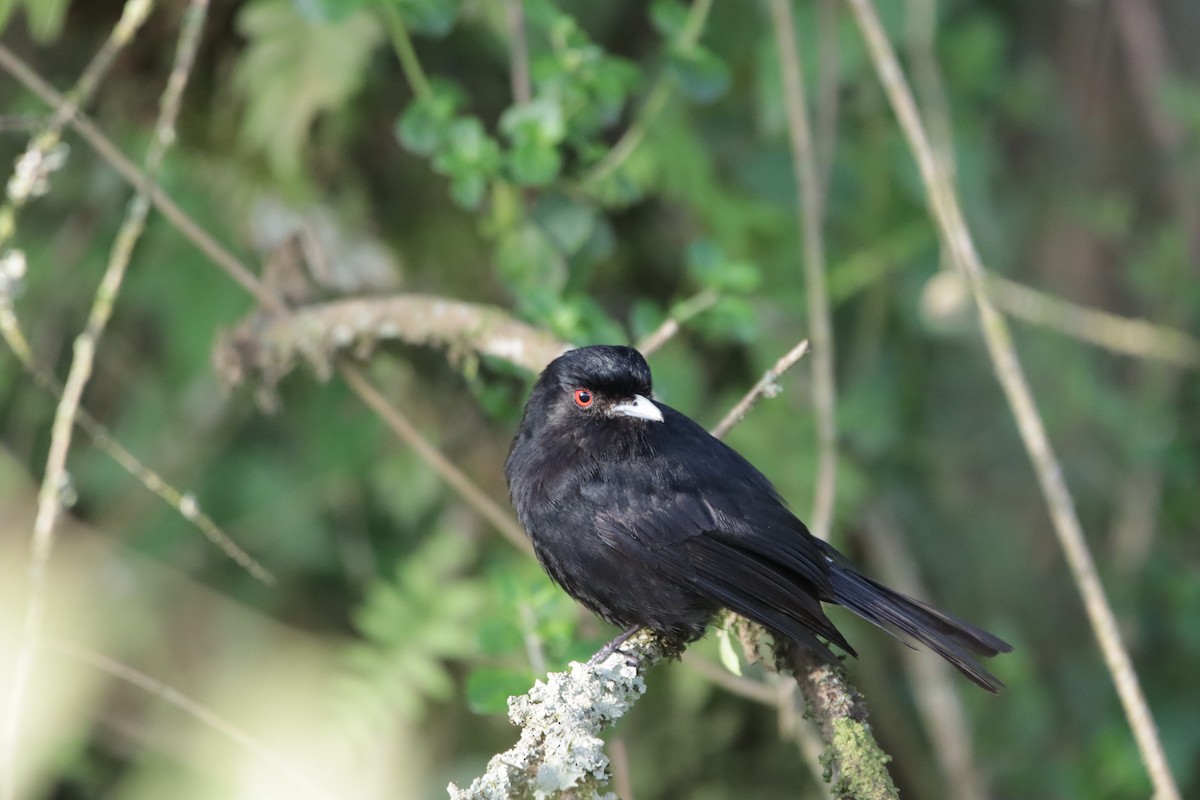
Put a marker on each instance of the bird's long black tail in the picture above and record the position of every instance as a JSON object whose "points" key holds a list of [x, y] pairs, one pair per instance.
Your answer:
{"points": [[954, 640]]}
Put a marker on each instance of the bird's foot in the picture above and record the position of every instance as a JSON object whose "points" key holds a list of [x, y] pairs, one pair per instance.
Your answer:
{"points": [[614, 647]]}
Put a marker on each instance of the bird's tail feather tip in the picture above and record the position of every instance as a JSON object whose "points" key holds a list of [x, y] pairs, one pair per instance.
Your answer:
{"points": [[960, 643]]}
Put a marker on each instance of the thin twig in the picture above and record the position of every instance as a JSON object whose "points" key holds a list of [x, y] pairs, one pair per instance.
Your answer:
{"points": [[767, 385], [488, 508], [957, 239], [55, 477], [681, 313], [825, 127], [192, 708], [204, 241], [1135, 337], [28, 180], [652, 106], [810, 212], [935, 690], [518, 45], [402, 43], [185, 504]]}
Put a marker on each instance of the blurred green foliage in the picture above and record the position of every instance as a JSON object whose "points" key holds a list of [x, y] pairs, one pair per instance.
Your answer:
{"points": [[546, 207]]}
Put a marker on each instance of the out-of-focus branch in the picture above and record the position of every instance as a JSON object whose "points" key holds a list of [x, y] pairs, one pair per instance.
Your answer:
{"points": [[29, 179], [402, 44], [55, 478], [810, 213], [935, 688], [268, 348], [299, 782], [185, 504], [104, 147], [1135, 337], [957, 239], [488, 508], [518, 45], [680, 314]]}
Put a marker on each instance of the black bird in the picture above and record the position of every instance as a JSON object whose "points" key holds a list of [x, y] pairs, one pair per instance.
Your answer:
{"points": [[649, 521]]}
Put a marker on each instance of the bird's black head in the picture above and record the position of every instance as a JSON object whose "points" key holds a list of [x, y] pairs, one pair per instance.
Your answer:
{"points": [[589, 393], [604, 382]]}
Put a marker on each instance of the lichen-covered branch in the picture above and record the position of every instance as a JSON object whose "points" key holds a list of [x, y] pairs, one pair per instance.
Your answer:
{"points": [[856, 765], [560, 749]]}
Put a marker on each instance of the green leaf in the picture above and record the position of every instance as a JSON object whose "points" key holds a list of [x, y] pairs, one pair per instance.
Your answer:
{"points": [[468, 190], [529, 263], [539, 120], [488, 688], [711, 268], [429, 17], [729, 656], [669, 17], [534, 164], [328, 10], [701, 74], [293, 70], [425, 124], [569, 224]]}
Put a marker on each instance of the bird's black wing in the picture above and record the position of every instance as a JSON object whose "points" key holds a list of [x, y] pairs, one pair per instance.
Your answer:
{"points": [[711, 522]]}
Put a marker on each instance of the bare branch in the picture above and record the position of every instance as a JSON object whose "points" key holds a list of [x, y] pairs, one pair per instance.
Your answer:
{"points": [[1135, 337], [768, 385], [957, 239], [518, 45], [681, 313], [140, 181], [488, 508], [185, 504], [810, 212], [29, 179]]}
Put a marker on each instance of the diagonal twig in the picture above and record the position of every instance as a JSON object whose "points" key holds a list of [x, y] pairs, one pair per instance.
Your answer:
{"points": [[55, 478], [29, 178], [767, 385], [957, 239], [810, 212], [193, 708]]}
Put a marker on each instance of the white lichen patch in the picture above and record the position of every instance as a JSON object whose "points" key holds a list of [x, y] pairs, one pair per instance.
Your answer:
{"points": [[560, 748]]}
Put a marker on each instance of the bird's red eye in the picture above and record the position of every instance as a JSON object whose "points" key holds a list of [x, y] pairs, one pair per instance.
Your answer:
{"points": [[583, 398]]}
